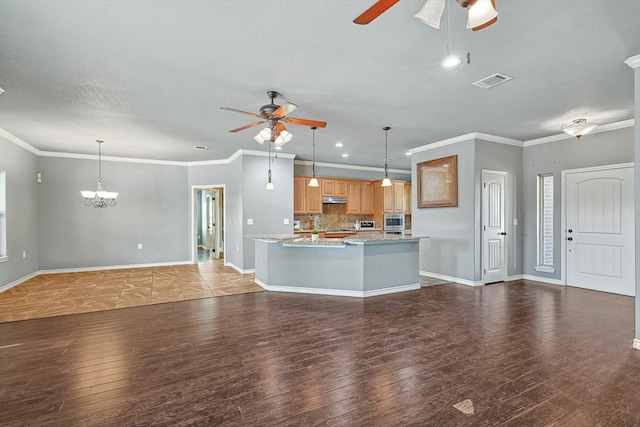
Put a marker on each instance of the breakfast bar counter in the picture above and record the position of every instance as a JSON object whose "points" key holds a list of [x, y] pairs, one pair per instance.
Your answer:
{"points": [[356, 266]]}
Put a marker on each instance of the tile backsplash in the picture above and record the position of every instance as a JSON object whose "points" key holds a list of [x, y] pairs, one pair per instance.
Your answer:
{"points": [[333, 217]]}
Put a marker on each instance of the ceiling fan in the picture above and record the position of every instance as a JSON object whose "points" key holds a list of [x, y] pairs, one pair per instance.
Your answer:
{"points": [[274, 116], [482, 13]]}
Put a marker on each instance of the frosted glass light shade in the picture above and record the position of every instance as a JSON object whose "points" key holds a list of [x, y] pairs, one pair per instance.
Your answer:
{"points": [[270, 186], [386, 182], [88, 194], [313, 182], [431, 13], [578, 127], [481, 13]]}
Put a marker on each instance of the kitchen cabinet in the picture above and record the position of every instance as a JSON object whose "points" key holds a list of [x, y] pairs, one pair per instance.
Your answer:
{"points": [[366, 201], [306, 200], [354, 197], [398, 197], [407, 198], [387, 199], [333, 187]]}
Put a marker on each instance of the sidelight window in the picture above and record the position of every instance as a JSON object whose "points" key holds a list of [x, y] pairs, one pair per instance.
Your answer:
{"points": [[545, 223]]}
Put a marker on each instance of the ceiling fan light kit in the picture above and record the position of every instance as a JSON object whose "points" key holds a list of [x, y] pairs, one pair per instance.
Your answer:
{"points": [[578, 127]]}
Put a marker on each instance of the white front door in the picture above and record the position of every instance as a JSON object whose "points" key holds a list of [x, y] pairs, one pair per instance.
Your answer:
{"points": [[494, 255], [599, 230]]}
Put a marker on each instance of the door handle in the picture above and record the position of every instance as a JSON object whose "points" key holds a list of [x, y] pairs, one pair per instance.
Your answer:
{"points": [[502, 233], [569, 238]]}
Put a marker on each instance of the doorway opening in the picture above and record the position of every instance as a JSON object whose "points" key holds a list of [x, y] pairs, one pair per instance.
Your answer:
{"points": [[208, 233]]}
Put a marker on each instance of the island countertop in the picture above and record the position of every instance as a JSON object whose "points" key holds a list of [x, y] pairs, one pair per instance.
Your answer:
{"points": [[293, 240]]}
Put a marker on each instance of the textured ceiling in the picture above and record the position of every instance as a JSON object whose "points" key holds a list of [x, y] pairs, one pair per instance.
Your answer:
{"points": [[149, 77]]}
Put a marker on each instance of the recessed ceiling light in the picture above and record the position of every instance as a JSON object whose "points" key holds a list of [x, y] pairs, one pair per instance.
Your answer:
{"points": [[345, 155], [339, 144], [408, 153], [200, 147], [279, 148], [1, 90]]}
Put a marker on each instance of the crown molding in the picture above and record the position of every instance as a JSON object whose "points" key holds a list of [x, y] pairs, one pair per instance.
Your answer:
{"points": [[633, 62], [20, 143], [604, 128], [467, 137], [352, 167]]}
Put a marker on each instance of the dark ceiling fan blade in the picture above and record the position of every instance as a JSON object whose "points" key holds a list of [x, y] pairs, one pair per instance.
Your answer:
{"points": [[240, 111], [285, 109], [374, 11], [304, 122], [248, 126]]}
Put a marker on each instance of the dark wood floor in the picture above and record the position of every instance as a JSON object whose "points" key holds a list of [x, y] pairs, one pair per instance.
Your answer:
{"points": [[524, 353]]}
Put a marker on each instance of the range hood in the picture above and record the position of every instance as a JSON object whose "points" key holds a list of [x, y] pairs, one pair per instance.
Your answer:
{"points": [[334, 200]]}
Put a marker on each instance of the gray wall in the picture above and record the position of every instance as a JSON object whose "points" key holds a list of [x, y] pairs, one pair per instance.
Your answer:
{"points": [[636, 73], [606, 148], [449, 250], [268, 209], [503, 158], [22, 212], [152, 209]]}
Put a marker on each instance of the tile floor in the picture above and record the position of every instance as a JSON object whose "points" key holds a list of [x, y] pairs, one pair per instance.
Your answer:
{"points": [[70, 293]]}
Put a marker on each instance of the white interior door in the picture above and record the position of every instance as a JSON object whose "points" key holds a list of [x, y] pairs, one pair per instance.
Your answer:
{"points": [[494, 254], [599, 230]]}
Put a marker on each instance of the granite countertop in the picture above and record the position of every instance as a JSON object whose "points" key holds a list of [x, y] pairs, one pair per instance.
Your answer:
{"points": [[293, 240]]}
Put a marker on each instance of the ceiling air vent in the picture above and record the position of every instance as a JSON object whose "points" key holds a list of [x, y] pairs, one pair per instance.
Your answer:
{"points": [[492, 80], [200, 147]]}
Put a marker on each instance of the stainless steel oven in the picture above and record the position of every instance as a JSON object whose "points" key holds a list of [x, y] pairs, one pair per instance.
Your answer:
{"points": [[394, 223]]}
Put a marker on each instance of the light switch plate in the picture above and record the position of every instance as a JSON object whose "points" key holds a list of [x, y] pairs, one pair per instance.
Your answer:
{"points": [[249, 221], [286, 221]]}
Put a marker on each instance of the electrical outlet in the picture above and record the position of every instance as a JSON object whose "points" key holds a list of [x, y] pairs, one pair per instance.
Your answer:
{"points": [[286, 221], [139, 245]]}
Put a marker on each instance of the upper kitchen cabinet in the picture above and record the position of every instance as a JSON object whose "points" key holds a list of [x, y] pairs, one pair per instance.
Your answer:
{"points": [[354, 197], [407, 198], [388, 199], [333, 187], [306, 200], [367, 197]]}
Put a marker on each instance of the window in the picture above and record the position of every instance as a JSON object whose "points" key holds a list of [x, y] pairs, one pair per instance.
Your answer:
{"points": [[545, 223], [3, 216]]}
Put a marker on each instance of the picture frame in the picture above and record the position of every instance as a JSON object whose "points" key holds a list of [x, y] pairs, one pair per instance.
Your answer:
{"points": [[438, 183]]}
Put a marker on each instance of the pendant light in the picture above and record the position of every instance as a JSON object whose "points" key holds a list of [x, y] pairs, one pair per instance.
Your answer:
{"points": [[269, 185], [386, 182], [99, 198], [313, 182]]}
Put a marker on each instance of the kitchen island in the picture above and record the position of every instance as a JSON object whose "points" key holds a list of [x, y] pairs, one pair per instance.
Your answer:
{"points": [[357, 266]]}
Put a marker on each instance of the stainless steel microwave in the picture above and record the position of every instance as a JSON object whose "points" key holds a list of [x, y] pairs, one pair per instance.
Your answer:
{"points": [[393, 222]]}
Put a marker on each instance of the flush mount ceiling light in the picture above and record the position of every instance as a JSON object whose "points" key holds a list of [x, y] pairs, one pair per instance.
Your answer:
{"points": [[313, 182], [99, 198], [578, 127], [386, 182]]}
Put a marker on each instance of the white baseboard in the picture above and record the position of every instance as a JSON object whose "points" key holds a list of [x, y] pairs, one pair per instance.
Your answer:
{"points": [[112, 267], [338, 292], [17, 282], [636, 343], [240, 270], [451, 279], [83, 269], [512, 278], [542, 279]]}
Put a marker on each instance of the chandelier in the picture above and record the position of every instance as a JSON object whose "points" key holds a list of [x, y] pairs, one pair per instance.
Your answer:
{"points": [[99, 198]]}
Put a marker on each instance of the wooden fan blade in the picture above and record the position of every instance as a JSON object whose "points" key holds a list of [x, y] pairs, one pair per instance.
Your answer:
{"points": [[248, 126], [279, 127], [240, 111], [305, 122], [374, 11], [285, 109]]}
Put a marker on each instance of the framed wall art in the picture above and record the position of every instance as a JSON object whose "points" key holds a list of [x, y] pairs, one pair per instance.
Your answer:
{"points": [[438, 183]]}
